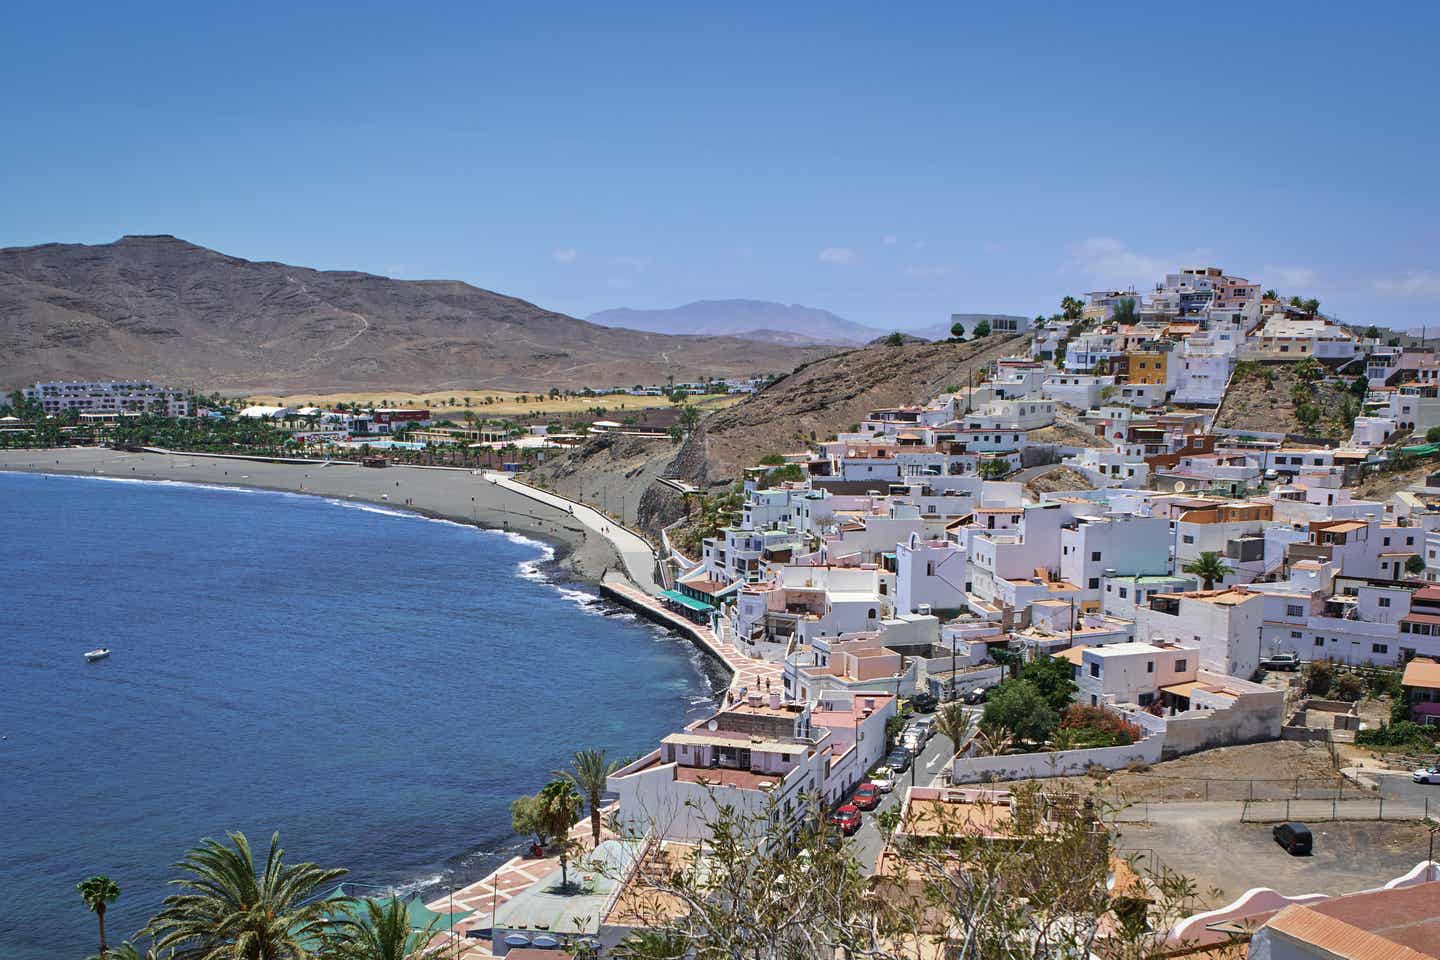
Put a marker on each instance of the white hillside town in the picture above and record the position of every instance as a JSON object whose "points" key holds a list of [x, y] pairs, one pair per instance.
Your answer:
{"points": [[1184, 570]]}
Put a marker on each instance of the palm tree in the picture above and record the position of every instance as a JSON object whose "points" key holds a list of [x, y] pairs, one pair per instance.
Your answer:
{"points": [[561, 807], [955, 723], [229, 912], [98, 892], [1209, 567], [382, 933], [589, 771]]}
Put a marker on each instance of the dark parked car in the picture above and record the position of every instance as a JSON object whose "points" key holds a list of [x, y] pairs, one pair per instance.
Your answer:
{"points": [[977, 695], [1294, 837], [898, 760], [924, 703], [847, 818]]}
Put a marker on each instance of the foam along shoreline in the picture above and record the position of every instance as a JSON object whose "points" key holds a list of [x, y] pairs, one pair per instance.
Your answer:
{"points": [[455, 495]]}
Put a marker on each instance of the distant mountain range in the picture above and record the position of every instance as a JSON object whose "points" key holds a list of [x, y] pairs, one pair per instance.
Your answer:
{"points": [[162, 308], [768, 322]]}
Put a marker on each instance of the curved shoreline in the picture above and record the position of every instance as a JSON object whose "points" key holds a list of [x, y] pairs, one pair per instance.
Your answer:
{"points": [[459, 496]]}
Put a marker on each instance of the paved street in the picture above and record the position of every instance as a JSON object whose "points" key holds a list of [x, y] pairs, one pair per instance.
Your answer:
{"points": [[867, 843]]}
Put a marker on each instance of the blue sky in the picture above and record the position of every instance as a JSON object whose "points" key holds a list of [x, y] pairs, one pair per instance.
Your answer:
{"points": [[892, 163]]}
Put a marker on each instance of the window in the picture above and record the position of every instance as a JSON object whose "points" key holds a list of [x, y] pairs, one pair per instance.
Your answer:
{"points": [[1094, 583], [1294, 610], [1384, 601], [1379, 648], [1180, 666], [1094, 556], [1188, 539], [1149, 666], [1319, 641], [1123, 592], [1094, 669], [1294, 634]]}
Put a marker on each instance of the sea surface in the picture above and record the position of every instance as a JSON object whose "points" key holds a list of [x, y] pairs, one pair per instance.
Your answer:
{"points": [[375, 685]]}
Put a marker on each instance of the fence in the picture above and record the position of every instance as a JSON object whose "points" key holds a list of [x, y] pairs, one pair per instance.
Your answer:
{"points": [[1154, 788], [1313, 811]]}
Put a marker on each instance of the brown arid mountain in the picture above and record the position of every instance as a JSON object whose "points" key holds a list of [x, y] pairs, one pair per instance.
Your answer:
{"points": [[162, 308], [813, 403], [828, 397]]}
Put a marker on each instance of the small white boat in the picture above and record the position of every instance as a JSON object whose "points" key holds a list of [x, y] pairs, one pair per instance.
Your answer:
{"points": [[101, 654]]}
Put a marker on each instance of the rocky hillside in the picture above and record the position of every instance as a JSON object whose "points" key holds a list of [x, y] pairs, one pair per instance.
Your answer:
{"points": [[828, 397], [1263, 397], [162, 308]]}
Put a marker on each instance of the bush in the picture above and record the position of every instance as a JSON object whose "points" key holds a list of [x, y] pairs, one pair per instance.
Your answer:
{"points": [[1021, 709], [1348, 686], [1318, 677], [1097, 727], [1405, 734], [1384, 683]]}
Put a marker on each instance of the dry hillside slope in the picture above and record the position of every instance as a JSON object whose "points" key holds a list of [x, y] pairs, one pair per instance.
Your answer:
{"points": [[162, 308], [1262, 397], [828, 397]]}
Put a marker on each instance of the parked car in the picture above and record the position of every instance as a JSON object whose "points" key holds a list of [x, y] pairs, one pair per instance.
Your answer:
{"points": [[1294, 837], [924, 703], [846, 817], [926, 725], [913, 741], [1426, 775], [1281, 661], [977, 695], [882, 779], [898, 760], [867, 796]]}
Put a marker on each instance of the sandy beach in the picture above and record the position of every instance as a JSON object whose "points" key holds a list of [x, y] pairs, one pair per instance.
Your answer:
{"points": [[452, 494]]}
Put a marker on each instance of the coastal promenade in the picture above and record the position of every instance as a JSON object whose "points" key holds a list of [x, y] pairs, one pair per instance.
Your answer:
{"points": [[635, 552]]}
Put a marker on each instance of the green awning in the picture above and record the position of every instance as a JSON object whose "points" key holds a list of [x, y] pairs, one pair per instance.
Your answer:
{"points": [[684, 601]]}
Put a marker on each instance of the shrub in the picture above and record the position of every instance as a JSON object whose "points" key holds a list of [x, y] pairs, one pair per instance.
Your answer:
{"points": [[1096, 771], [1021, 709], [1097, 727], [1318, 677], [1348, 686], [1138, 766], [772, 460], [1405, 734], [1385, 683]]}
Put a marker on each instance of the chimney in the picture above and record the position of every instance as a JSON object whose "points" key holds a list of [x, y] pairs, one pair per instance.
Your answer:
{"points": [[774, 699]]}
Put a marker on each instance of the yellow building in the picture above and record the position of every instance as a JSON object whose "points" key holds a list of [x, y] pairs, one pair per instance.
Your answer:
{"points": [[1148, 367]]}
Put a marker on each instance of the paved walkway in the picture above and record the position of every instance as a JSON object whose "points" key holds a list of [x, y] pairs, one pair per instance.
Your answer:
{"points": [[634, 550], [747, 672]]}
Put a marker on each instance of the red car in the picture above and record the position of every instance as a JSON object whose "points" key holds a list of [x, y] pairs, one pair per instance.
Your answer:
{"points": [[867, 796], [847, 818]]}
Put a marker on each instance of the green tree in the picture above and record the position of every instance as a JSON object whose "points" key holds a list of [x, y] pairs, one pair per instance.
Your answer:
{"points": [[689, 417], [953, 721], [895, 339], [1125, 311], [1307, 414], [561, 805], [589, 771], [383, 932], [1372, 332], [1019, 708], [1053, 678], [651, 945], [1360, 386], [957, 330], [1209, 566], [527, 817], [1415, 565], [228, 911], [1309, 370], [982, 329], [1311, 306], [1071, 308], [993, 469], [98, 892], [1271, 295]]}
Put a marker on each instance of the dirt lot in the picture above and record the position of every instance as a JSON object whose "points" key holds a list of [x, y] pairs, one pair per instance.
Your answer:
{"points": [[1221, 853], [1259, 770]]}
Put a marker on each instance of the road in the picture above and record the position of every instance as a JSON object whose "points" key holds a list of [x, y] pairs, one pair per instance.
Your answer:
{"points": [[1030, 473], [868, 841], [634, 552]]}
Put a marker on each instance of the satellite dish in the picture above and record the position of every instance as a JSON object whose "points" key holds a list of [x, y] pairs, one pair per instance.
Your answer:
{"points": [[1179, 486], [713, 725]]}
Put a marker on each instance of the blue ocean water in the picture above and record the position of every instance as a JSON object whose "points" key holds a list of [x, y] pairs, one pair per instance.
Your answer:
{"points": [[374, 685]]}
